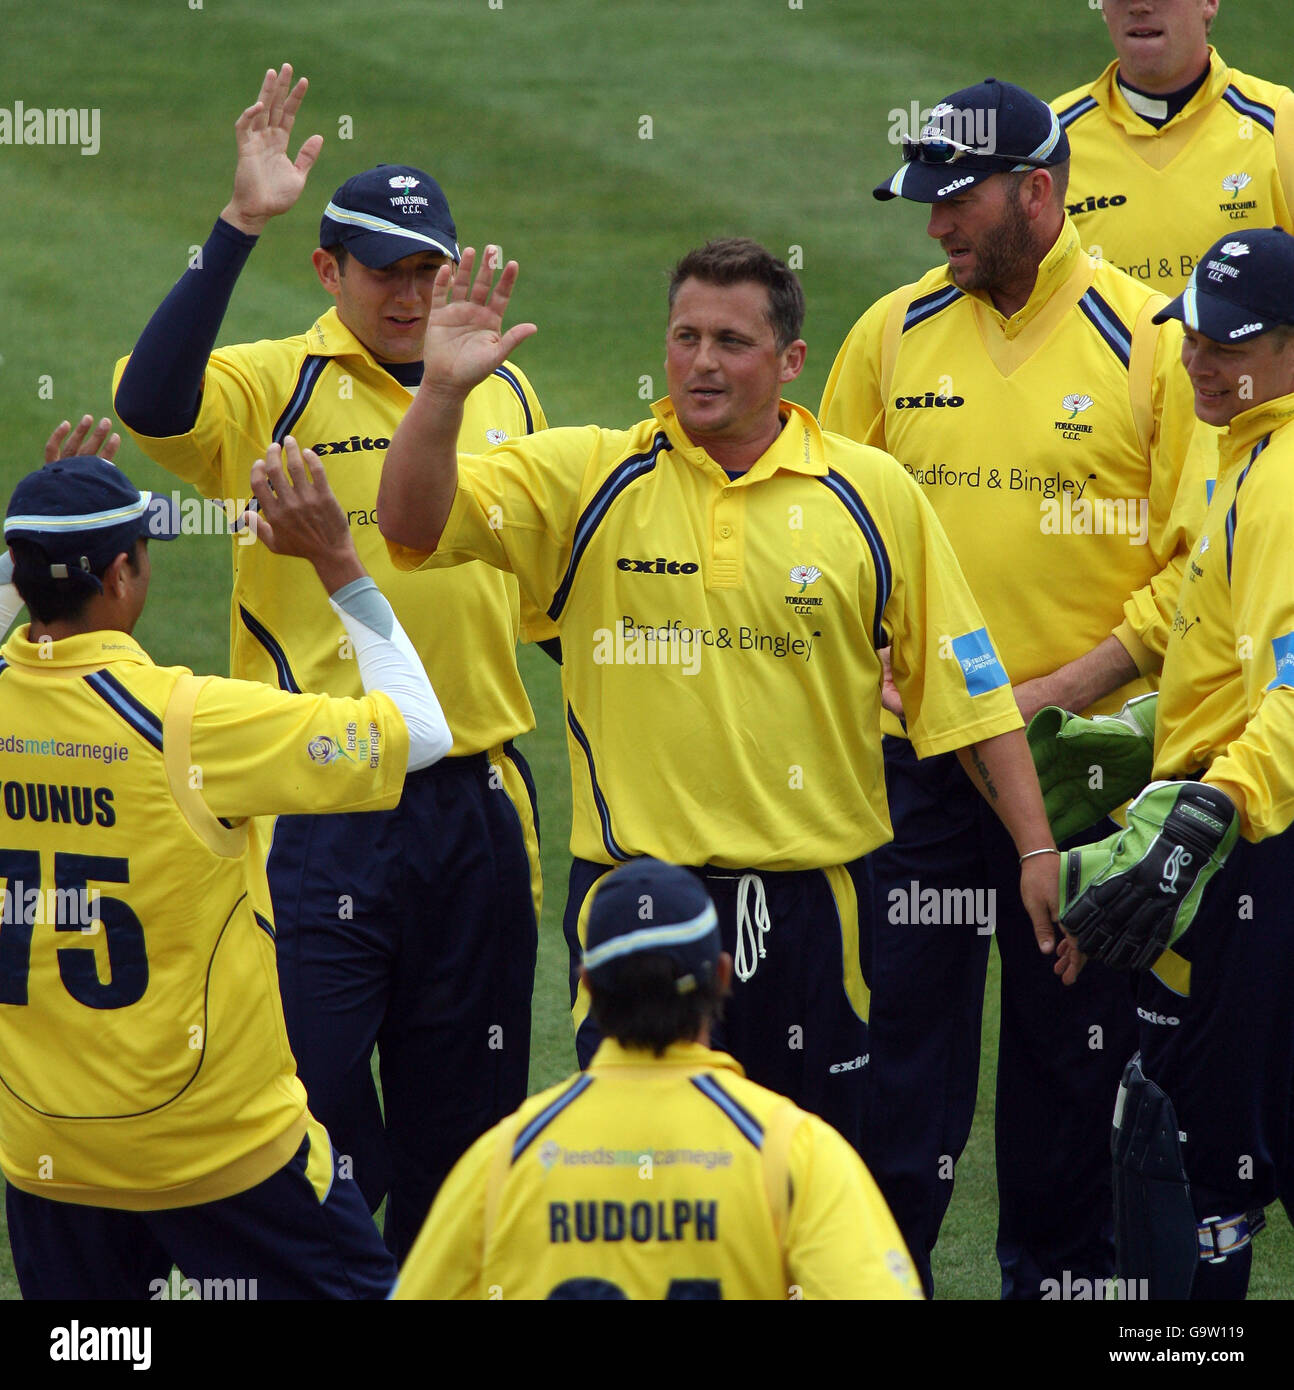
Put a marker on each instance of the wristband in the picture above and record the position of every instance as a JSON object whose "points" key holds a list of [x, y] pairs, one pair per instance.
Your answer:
{"points": [[1034, 852]]}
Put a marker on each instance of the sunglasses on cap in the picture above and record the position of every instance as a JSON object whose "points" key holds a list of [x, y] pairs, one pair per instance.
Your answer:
{"points": [[940, 149]]}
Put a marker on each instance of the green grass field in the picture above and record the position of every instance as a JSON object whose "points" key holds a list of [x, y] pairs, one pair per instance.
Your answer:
{"points": [[766, 118]]}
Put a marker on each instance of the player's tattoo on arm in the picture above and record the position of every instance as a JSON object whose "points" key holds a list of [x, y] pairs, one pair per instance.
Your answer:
{"points": [[982, 771]]}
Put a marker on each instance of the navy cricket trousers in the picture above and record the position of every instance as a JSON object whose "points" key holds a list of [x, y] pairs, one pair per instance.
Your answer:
{"points": [[798, 1024], [304, 1232], [1061, 1050], [1217, 1035], [416, 930]]}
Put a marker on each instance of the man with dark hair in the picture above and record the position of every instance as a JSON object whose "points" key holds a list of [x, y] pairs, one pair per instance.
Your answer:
{"points": [[660, 1172], [723, 575], [414, 930], [150, 1113], [1171, 147], [732, 260], [1047, 420]]}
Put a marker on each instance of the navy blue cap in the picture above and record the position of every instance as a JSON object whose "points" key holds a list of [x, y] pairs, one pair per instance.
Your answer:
{"points": [[387, 213], [1241, 287], [646, 905], [1001, 123], [83, 512]]}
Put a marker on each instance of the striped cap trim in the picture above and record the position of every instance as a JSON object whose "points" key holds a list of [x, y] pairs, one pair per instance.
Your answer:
{"points": [[84, 521], [653, 938], [368, 223], [1048, 145], [1191, 304]]}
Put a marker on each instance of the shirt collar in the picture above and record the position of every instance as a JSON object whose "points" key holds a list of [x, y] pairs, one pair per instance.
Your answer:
{"points": [[1246, 429], [1054, 270], [1109, 95], [797, 449], [329, 337], [85, 649], [689, 1056]]}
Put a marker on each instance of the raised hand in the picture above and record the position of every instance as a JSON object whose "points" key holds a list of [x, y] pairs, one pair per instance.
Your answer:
{"points": [[66, 442], [465, 341], [266, 181], [299, 515]]}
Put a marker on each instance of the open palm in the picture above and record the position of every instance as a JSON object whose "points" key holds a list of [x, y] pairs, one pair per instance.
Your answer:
{"points": [[267, 181], [465, 340]]}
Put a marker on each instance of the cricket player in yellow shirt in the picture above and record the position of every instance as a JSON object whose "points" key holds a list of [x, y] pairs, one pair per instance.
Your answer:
{"points": [[150, 1112], [1048, 422], [366, 952], [723, 576], [1201, 1129], [1171, 147], [661, 1172]]}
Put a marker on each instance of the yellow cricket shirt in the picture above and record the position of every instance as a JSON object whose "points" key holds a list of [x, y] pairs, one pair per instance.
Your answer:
{"points": [[719, 637], [326, 389], [1152, 201], [143, 1055], [659, 1178], [1226, 705], [1051, 445]]}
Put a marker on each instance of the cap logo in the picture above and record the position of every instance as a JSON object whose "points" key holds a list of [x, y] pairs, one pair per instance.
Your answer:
{"points": [[1244, 329], [945, 108], [1220, 271], [403, 181], [956, 184], [1233, 183]]}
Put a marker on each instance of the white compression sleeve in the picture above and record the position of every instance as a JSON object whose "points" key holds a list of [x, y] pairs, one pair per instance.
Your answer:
{"points": [[10, 601], [388, 662]]}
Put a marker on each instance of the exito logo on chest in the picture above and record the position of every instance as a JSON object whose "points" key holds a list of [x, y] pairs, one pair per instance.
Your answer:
{"points": [[930, 401], [660, 565], [354, 445]]}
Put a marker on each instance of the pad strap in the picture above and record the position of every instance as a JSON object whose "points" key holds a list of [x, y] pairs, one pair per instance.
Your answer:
{"points": [[1223, 1236]]}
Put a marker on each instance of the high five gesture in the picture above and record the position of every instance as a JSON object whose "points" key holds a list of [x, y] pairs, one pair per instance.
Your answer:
{"points": [[266, 180]]}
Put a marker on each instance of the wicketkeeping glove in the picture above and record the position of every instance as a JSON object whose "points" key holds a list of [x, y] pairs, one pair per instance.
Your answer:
{"points": [[1066, 748], [1128, 897]]}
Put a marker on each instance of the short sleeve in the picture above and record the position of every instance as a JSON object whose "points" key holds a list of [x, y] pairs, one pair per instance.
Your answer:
{"points": [[257, 751]]}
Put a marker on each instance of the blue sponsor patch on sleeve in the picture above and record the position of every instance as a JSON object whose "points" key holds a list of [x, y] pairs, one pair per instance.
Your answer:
{"points": [[980, 667], [1283, 651], [1209, 485]]}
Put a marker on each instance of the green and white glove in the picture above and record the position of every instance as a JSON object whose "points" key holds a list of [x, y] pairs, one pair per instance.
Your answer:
{"points": [[1126, 898], [1067, 749]]}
